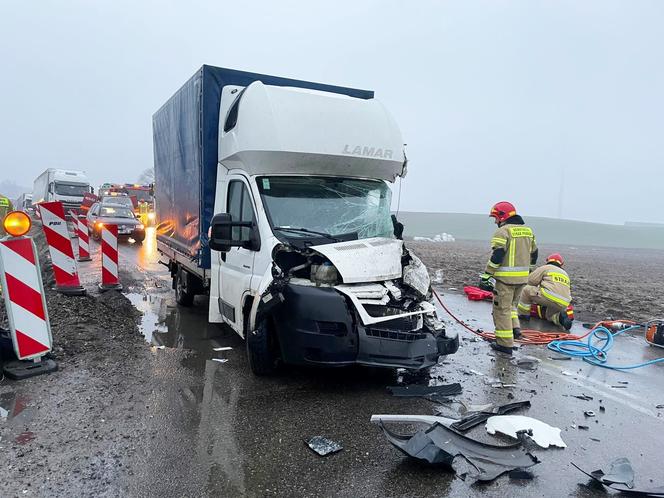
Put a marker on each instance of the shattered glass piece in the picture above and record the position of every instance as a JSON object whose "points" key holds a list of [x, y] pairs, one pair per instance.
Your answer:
{"points": [[323, 446], [416, 276], [439, 445], [543, 434], [412, 391]]}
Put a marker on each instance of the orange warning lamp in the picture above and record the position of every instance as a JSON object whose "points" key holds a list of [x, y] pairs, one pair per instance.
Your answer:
{"points": [[17, 223]]}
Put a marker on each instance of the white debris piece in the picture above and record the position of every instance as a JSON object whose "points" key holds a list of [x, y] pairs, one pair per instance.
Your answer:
{"points": [[543, 434], [441, 237]]}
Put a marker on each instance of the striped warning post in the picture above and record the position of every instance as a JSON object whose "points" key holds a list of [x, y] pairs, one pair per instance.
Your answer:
{"points": [[83, 237], [24, 298], [109, 258], [60, 248]]}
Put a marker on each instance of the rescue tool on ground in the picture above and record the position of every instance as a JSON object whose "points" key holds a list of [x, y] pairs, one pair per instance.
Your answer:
{"points": [[513, 253], [279, 208]]}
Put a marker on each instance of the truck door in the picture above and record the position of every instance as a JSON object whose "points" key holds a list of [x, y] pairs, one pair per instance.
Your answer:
{"points": [[237, 265]]}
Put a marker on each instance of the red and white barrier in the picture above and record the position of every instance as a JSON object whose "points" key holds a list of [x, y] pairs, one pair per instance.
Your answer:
{"points": [[83, 238], [60, 248], [109, 258], [24, 298]]}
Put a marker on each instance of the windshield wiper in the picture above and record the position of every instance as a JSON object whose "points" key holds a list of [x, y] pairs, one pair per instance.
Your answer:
{"points": [[306, 230]]}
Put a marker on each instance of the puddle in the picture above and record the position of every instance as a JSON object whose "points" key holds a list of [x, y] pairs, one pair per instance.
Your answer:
{"points": [[12, 405], [164, 324]]}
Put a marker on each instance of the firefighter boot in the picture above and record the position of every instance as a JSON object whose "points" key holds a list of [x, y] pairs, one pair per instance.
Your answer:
{"points": [[564, 321], [501, 349]]}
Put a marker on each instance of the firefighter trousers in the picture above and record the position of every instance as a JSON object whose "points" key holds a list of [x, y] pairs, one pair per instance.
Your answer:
{"points": [[531, 295], [505, 317]]}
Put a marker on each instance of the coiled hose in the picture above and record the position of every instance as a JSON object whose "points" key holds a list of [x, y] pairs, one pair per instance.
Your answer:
{"points": [[596, 349]]}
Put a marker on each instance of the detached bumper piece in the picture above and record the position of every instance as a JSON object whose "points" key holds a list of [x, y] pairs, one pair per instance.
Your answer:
{"points": [[439, 445]]}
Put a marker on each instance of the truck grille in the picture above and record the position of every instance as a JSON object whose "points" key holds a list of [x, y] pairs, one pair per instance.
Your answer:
{"points": [[395, 335]]}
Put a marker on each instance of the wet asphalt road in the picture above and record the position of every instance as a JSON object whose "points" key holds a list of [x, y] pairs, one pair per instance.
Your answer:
{"points": [[216, 430]]}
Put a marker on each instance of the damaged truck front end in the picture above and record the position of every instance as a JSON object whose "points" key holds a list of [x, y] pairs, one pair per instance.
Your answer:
{"points": [[364, 301]]}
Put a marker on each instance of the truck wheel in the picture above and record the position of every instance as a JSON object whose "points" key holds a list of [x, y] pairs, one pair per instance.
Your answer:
{"points": [[183, 296], [261, 349]]}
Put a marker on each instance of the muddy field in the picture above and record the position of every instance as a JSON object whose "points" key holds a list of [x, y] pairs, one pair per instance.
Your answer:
{"points": [[128, 415], [606, 282]]}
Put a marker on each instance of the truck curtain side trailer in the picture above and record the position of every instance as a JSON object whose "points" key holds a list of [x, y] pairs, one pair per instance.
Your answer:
{"points": [[273, 199]]}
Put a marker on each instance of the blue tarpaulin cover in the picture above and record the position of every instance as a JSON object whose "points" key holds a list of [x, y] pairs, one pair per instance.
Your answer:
{"points": [[185, 131]]}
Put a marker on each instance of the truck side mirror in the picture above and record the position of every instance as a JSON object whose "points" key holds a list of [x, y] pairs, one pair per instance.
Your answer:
{"points": [[221, 233], [50, 188], [398, 227]]}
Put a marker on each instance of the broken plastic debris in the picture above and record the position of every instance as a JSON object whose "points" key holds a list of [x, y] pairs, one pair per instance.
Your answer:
{"points": [[412, 419], [476, 419], [543, 434], [569, 374], [225, 348], [323, 446], [584, 397], [220, 360], [439, 445], [414, 390], [620, 472], [589, 413]]}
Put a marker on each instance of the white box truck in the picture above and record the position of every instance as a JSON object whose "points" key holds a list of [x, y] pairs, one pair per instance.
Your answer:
{"points": [[66, 186], [273, 198]]}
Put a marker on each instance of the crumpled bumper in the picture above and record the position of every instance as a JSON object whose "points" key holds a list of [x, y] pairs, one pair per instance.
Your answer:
{"points": [[316, 326]]}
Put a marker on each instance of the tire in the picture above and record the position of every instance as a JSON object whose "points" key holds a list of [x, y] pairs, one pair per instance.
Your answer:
{"points": [[261, 349], [183, 296]]}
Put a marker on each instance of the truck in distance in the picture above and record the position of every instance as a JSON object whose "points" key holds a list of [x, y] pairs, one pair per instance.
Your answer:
{"points": [[274, 200], [66, 186]]}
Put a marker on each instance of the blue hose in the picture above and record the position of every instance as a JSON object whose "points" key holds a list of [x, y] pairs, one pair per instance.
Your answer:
{"points": [[596, 348]]}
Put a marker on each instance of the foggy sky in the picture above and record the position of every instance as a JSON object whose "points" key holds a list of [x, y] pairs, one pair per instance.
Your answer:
{"points": [[495, 99]]}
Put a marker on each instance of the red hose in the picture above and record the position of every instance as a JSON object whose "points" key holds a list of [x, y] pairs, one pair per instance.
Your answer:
{"points": [[530, 336]]}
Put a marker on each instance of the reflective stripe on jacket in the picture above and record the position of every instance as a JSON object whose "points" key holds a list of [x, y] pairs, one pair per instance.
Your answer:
{"points": [[518, 242], [554, 284]]}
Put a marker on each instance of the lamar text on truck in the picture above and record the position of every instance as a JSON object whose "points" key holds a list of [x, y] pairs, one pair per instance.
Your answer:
{"points": [[274, 199]]}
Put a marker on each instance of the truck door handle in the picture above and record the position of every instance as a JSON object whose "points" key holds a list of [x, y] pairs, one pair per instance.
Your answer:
{"points": [[247, 267]]}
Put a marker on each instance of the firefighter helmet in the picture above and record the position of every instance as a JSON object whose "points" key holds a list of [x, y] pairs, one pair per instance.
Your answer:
{"points": [[502, 211], [555, 258]]}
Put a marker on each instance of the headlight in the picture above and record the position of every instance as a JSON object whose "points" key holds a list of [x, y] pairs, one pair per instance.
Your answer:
{"points": [[151, 216], [140, 227]]}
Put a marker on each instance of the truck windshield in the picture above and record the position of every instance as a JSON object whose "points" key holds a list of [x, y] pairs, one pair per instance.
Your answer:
{"points": [[329, 205], [75, 189]]}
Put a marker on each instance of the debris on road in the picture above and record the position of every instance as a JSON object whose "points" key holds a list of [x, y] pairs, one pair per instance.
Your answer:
{"points": [[480, 417], [521, 474], [417, 391], [323, 446], [527, 362], [440, 445], [413, 419], [584, 397], [589, 413], [220, 360], [620, 472], [225, 348], [543, 434]]}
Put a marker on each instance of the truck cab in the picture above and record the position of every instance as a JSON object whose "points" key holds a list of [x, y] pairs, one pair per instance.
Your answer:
{"points": [[307, 262], [66, 186]]}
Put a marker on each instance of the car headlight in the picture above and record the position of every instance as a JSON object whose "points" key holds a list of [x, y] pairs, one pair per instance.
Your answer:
{"points": [[140, 227], [151, 216]]}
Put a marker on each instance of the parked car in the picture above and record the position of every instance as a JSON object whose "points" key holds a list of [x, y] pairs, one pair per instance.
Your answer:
{"points": [[115, 214]]}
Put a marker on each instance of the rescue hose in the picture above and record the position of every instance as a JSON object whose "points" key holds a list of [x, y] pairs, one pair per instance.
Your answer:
{"points": [[597, 353], [528, 336]]}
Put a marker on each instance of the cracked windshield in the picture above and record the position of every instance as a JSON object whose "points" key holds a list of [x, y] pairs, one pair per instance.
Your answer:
{"points": [[333, 206]]}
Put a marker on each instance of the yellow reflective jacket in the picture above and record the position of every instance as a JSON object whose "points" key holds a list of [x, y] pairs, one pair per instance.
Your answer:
{"points": [[518, 242], [553, 283]]}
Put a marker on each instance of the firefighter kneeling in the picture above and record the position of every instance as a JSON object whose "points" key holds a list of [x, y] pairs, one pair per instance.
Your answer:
{"points": [[548, 287]]}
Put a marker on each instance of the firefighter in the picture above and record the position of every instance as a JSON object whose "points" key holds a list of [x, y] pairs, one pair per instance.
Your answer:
{"points": [[5, 207], [549, 287], [513, 253]]}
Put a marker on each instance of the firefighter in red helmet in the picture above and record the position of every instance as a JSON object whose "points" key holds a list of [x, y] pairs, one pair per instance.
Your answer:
{"points": [[549, 287], [513, 253]]}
